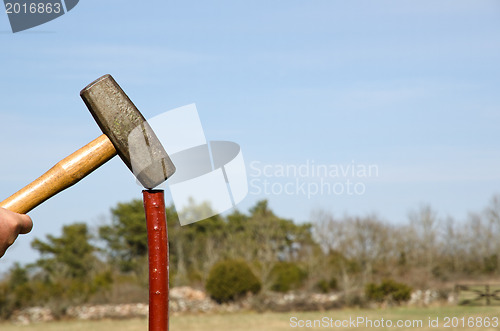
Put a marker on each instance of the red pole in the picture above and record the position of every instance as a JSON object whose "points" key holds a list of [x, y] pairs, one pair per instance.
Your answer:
{"points": [[154, 205]]}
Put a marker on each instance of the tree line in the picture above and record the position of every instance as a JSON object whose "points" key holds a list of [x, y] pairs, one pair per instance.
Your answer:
{"points": [[348, 254]]}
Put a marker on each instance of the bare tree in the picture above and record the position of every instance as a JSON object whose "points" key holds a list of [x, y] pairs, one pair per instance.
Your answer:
{"points": [[365, 241], [425, 224]]}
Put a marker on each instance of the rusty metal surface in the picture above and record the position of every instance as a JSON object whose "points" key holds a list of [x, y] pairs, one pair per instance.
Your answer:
{"points": [[154, 205], [128, 130]]}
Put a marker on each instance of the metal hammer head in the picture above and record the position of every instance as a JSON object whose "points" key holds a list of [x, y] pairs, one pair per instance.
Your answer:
{"points": [[134, 140]]}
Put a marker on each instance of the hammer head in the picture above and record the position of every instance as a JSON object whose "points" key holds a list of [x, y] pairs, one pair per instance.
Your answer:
{"points": [[134, 140]]}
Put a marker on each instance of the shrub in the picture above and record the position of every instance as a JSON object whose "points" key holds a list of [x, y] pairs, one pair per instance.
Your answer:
{"points": [[322, 286], [325, 286], [333, 284], [374, 292], [230, 279], [388, 290], [286, 276], [490, 263]]}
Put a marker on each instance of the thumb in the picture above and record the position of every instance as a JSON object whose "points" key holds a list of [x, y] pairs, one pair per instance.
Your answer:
{"points": [[25, 224]]}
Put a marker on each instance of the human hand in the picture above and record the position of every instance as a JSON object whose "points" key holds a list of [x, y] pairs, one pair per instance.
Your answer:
{"points": [[12, 225]]}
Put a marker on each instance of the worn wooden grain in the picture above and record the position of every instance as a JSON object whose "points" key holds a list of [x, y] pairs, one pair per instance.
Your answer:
{"points": [[64, 174]]}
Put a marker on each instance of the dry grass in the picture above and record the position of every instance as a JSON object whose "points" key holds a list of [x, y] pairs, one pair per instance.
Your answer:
{"points": [[272, 321]]}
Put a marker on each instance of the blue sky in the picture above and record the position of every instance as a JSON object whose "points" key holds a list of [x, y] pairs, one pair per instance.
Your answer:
{"points": [[411, 86]]}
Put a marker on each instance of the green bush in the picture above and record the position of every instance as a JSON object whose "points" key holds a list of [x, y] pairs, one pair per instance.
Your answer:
{"points": [[325, 286], [374, 292], [322, 286], [230, 279], [388, 290], [333, 284], [490, 263], [286, 276]]}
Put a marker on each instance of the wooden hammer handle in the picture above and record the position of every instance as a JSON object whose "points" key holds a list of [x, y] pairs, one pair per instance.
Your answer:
{"points": [[64, 174]]}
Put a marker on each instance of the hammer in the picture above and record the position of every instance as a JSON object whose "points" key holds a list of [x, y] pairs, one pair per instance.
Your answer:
{"points": [[126, 133]]}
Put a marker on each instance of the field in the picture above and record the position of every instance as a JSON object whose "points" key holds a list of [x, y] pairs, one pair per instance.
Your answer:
{"points": [[466, 318]]}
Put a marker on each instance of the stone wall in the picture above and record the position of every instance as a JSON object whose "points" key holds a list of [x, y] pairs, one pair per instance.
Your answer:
{"points": [[189, 300]]}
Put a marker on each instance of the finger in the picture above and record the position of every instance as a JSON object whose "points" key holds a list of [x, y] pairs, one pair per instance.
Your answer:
{"points": [[3, 248], [25, 224]]}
